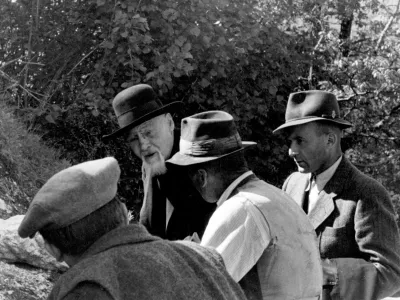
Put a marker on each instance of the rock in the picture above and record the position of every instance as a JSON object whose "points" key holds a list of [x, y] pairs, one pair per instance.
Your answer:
{"points": [[29, 251], [5, 210], [4, 206], [23, 282]]}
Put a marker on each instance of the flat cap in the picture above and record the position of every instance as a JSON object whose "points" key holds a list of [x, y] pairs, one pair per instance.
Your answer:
{"points": [[71, 195]]}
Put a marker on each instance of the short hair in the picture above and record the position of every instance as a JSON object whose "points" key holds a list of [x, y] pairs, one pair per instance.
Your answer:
{"points": [[77, 237], [324, 127]]}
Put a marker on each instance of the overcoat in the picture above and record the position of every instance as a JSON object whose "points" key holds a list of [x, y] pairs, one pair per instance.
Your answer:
{"points": [[129, 263], [190, 211], [356, 228]]}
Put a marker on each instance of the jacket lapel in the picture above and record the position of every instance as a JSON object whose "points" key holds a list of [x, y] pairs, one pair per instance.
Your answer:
{"points": [[325, 203], [323, 208], [297, 190]]}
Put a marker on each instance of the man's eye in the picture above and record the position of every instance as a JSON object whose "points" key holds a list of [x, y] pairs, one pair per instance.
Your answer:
{"points": [[132, 139], [148, 133]]}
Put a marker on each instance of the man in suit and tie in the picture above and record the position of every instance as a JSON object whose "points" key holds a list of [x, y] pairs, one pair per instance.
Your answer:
{"points": [[352, 213]]}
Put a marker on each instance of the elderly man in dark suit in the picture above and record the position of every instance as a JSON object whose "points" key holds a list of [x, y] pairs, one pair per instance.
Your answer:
{"points": [[83, 224], [352, 213], [172, 208]]}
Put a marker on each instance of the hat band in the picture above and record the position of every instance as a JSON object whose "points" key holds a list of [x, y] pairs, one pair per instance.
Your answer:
{"points": [[137, 112], [211, 147], [142, 109]]}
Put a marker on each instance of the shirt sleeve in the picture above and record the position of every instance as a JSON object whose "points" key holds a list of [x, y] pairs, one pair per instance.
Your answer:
{"points": [[240, 233]]}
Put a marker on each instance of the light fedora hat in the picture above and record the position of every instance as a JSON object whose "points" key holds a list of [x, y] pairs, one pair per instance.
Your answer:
{"points": [[308, 106], [207, 136], [136, 105]]}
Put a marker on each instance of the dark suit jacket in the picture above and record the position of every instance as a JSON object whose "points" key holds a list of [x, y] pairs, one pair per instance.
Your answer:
{"points": [[355, 223], [191, 212]]}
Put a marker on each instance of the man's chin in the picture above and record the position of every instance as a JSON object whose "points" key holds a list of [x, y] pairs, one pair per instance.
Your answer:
{"points": [[303, 170], [155, 164]]}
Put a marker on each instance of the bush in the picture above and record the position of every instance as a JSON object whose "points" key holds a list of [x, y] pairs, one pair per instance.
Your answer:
{"points": [[25, 162]]}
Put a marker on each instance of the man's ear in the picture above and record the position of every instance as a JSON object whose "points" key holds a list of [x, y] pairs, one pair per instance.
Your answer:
{"points": [[170, 120], [203, 177], [53, 251], [199, 177], [332, 139]]}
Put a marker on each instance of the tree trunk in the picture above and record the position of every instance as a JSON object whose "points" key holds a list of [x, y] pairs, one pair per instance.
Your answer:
{"points": [[345, 33]]}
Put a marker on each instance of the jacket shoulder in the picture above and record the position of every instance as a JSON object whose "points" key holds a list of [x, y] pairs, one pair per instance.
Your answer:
{"points": [[292, 180]]}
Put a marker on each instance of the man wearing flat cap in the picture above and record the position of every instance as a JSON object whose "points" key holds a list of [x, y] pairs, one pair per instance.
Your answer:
{"points": [[83, 224], [172, 208], [267, 242], [351, 213]]}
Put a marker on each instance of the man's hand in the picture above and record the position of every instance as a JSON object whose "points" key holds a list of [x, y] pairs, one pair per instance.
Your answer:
{"points": [[330, 276], [194, 238]]}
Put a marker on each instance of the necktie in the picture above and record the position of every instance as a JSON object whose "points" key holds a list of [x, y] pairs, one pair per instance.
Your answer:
{"points": [[307, 204]]}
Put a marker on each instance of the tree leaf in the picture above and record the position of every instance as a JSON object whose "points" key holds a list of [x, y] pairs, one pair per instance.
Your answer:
{"points": [[107, 45], [49, 118], [195, 31]]}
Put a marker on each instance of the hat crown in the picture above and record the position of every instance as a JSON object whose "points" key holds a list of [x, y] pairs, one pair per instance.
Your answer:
{"points": [[312, 104], [211, 133], [134, 97], [71, 195], [207, 125], [136, 105], [207, 136]]}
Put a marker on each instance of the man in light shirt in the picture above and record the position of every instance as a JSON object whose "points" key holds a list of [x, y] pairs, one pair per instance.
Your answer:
{"points": [[352, 213], [267, 242]]}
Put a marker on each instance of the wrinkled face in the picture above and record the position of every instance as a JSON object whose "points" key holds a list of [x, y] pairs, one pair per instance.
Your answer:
{"points": [[309, 148], [152, 140]]}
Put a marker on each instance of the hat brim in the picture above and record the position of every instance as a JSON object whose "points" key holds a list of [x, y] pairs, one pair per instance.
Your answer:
{"points": [[166, 108], [188, 160], [342, 123]]}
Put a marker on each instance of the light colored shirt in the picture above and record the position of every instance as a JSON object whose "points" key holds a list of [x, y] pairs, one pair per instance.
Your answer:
{"points": [[238, 231], [168, 212], [318, 183]]}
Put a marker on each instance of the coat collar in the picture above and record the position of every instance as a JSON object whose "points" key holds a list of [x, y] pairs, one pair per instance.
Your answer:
{"points": [[325, 203], [232, 187], [130, 234]]}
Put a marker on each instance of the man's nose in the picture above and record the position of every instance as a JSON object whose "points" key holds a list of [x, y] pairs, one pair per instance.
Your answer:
{"points": [[143, 142], [292, 150]]}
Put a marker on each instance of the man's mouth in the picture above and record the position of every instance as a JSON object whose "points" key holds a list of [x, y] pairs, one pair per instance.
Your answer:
{"points": [[300, 162], [150, 155]]}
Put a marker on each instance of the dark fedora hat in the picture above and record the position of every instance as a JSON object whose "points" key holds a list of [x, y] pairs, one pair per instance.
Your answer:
{"points": [[207, 136], [308, 106], [136, 105]]}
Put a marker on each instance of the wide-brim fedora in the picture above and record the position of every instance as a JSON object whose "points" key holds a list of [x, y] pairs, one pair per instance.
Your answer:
{"points": [[136, 105], [309, 106], [207, 136]]}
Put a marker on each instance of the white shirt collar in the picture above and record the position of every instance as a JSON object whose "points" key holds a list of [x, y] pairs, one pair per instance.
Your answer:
{"points": [[232, 186], [323, 178]]}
